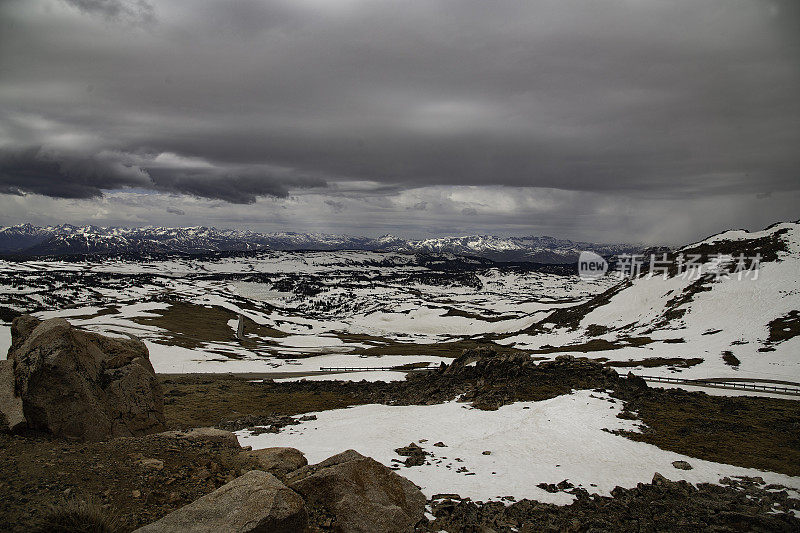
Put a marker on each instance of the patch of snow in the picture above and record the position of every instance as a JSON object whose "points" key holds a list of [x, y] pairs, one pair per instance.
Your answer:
{"points": [[714, 391], [178, 360], [378, 375], [530, 442]]}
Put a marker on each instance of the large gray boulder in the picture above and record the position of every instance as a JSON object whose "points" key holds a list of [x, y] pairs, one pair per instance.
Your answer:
{"points": [[11, 415], [83, 385], [362, 494], [255, 502], [278, 460]]}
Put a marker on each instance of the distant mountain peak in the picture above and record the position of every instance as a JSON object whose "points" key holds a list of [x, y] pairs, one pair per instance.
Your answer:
{"points": [[67, 239]]}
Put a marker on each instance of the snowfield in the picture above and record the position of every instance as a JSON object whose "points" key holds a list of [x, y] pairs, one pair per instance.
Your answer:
{"points": [[325, 308], [529, 443], [340, 304]]}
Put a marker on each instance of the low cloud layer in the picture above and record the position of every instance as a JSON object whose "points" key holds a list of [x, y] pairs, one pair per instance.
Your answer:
{"points": [[255, 102], [125, 11]]}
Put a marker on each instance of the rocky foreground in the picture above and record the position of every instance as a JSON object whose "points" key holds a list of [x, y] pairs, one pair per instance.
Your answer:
{"points": [[84, 418]]}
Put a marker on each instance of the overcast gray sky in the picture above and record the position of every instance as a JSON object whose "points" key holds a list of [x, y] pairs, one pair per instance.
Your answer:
{"points": [[604, 120]]}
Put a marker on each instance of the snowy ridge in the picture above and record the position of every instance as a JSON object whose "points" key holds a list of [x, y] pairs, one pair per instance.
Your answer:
{"points": [[752, 322]]}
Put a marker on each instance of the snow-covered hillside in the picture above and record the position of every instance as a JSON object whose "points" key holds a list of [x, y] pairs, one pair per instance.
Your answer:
{"points": [[748, 327]]}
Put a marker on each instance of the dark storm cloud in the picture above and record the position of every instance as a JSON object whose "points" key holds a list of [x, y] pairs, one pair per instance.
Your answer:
{"points": [[242, 186], [87, 175], [669, 99], [34, 170]]}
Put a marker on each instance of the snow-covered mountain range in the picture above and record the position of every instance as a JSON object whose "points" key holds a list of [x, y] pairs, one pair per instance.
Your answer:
{"points": [[27, 239]]}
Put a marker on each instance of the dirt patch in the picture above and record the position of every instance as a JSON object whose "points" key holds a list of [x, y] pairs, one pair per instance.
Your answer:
{"points": [[768, 247], [596, 330], [730, 359], [195, 401], [752, 432], [570, 317], [7, 314], [595, 345], [193, 326], [37, 471], [106, 311]]}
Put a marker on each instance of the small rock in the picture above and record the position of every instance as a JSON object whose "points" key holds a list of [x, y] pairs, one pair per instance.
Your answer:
{"points": [[153, 464], [660, 480], [136, 494], [681, 465], [548, 487], [440, 444], [446, 496], [486, 452], [415, 455]]}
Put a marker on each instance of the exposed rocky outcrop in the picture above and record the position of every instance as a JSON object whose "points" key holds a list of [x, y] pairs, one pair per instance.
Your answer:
{"points": [[278, 461], [360, 493], [737, 505], [263, 423], [347, 493], [414, 454], [483, 377], [83, 385], [255, 502]]}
